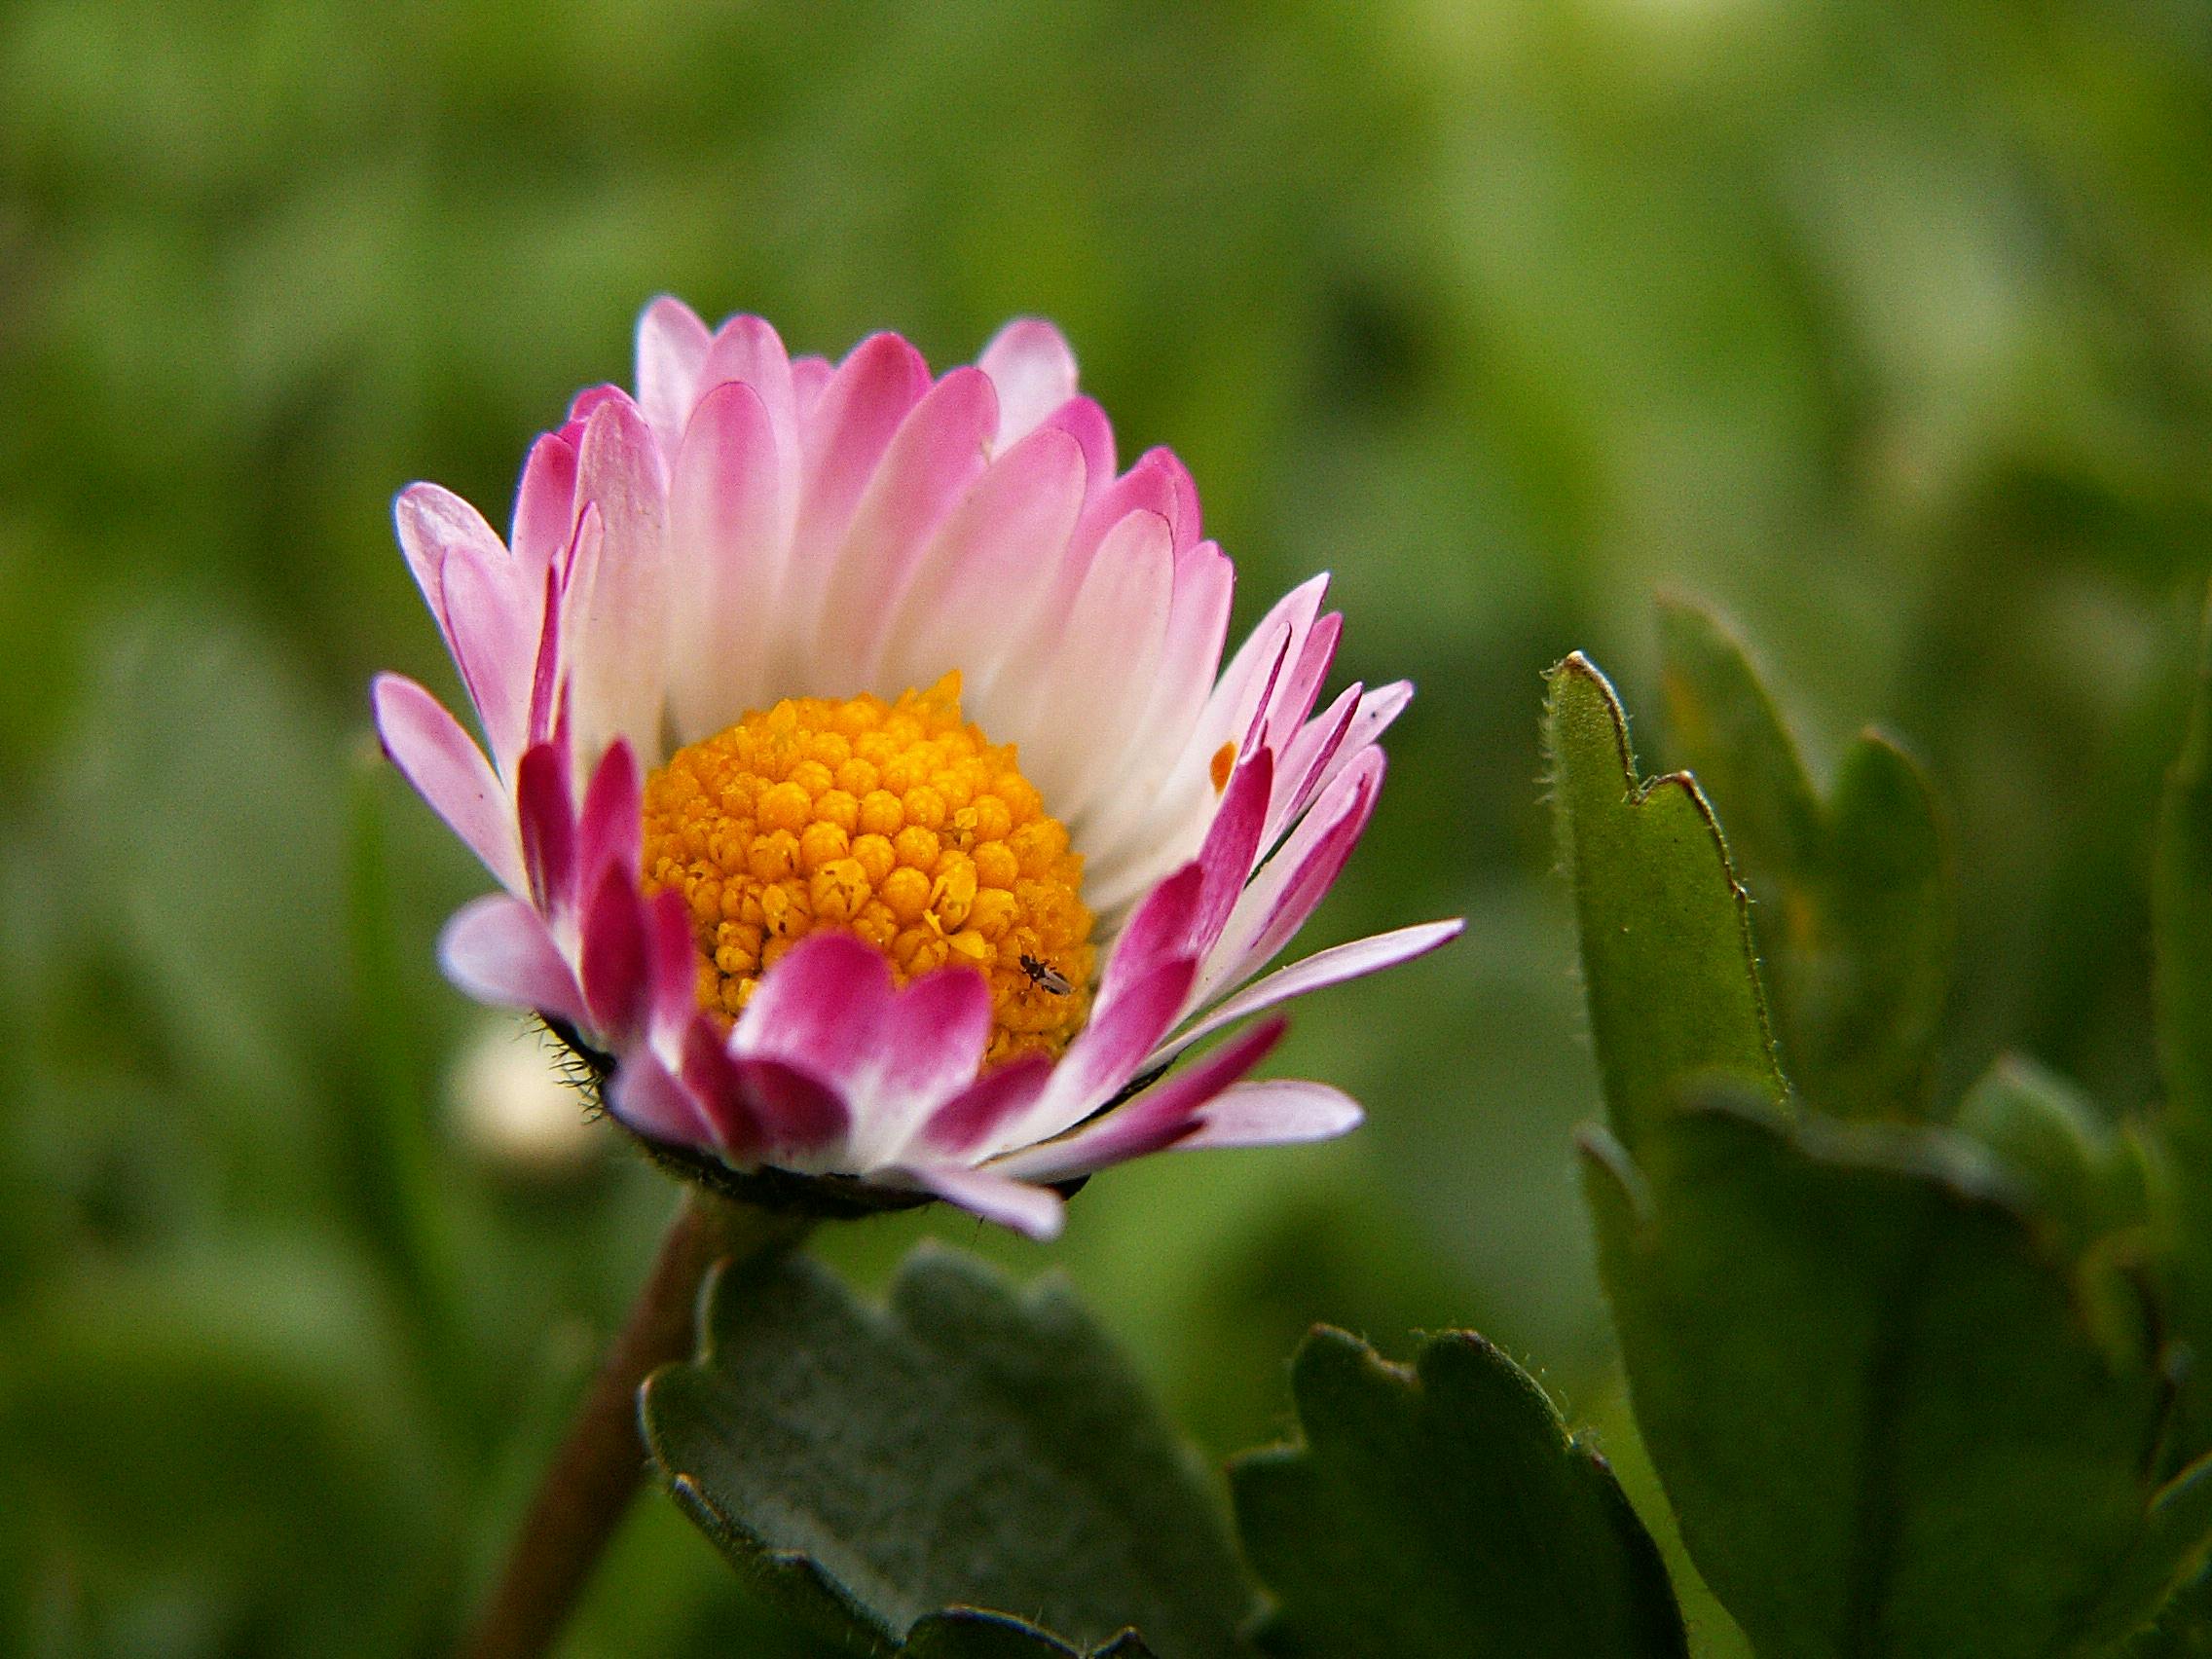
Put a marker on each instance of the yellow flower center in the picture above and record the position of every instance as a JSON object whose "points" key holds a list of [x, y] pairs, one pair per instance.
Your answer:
{"points": [[899, 823]]}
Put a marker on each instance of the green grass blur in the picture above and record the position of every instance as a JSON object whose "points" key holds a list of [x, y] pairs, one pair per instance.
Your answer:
{"points": [[1888, 328]]}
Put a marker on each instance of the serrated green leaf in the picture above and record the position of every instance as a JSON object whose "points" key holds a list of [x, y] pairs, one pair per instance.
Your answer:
{"points": [[1444, 1509], [1855, 904], [967, 1447], [962, 1633], [1883, 1420], [1667, 955]]}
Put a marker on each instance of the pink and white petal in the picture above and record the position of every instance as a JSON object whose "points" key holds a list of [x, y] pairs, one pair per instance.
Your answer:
{"points": [[433, 522], [823, 1006], [647, 1097], [928, 1047], [804, 1119], [1276, 902], [1231, 846], [495, 620], [1276, 1112], [1161, 928], [614, 636], [545, 506], [545, 813], [970, 1119], [1091, 689], [497, 950], [1331, 966], [1295, 692], [1158, 1118], [1148, 487], [711, 1074], [984, 573], [449, 773], [1030, 363], [1038, 1212], [810, 377], [672, 349], [1130, 837], [611, 824], [1105, 1055], [1307, 760], [728, 546], [748, 349], [1084, 421], [860, 412], [1376, 710], [932, 463]]}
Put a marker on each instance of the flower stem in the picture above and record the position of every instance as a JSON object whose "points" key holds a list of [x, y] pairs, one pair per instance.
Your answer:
{"points": [[587, 1491]]}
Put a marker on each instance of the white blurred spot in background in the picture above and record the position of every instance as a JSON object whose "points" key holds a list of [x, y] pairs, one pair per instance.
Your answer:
{"points": [[514, 1107]]}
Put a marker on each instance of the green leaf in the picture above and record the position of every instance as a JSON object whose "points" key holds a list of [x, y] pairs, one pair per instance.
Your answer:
{"points": [[1854, 908], [1444, 1510], [1882, 1417], [2087, 1179], [967, 1447], [965, 1634], [1667, 955]]}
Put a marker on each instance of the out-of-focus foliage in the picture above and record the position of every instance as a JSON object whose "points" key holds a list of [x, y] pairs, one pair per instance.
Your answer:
{"points": [[1887, 328]]}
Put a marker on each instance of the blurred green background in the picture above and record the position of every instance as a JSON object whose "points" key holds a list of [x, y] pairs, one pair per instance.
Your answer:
{"points": [[1886, 327]]}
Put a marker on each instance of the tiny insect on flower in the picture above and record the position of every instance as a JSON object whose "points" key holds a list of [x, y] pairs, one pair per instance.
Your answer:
{"points": [[1045, 976], [835, 712]]}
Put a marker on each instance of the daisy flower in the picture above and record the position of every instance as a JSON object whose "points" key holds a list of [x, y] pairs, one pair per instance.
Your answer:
{"points": [[872, 805]]}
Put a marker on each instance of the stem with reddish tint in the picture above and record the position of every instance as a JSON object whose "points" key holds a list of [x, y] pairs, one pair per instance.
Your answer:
{"points": [[602, 1462]]}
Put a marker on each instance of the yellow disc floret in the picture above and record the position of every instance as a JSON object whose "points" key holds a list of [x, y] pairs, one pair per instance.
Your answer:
{"points": [[899, 823]]}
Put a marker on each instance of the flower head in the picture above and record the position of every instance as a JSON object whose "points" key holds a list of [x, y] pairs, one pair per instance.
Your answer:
{"points": [[868, 791]]}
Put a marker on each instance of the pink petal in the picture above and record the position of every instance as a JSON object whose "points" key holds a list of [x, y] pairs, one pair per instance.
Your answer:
{"points": [[672, 965], [1161, 927], [1160, 1117], [712, 1075], [494, 621], [1038, 1212], [810, 378], [616, 634], [973, 1119], [614, 958], [860, 410], [987, 568], [822, 1005], [929, 1046], [1279, 1112], [496, 949], [804, 1120], [545, 506], [1084, 421], [546, 814], [1106, 1054], [745, 348], [1291, 883], [610, 826], [672, 349], [1233, 846], [1307, 758], [1030, 363], [433, 522], [1103, 665], [933, 461], [1294, 695], [449, 773], [645, 1095], [1330, 966], [1376, 710], [726, 550]]}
